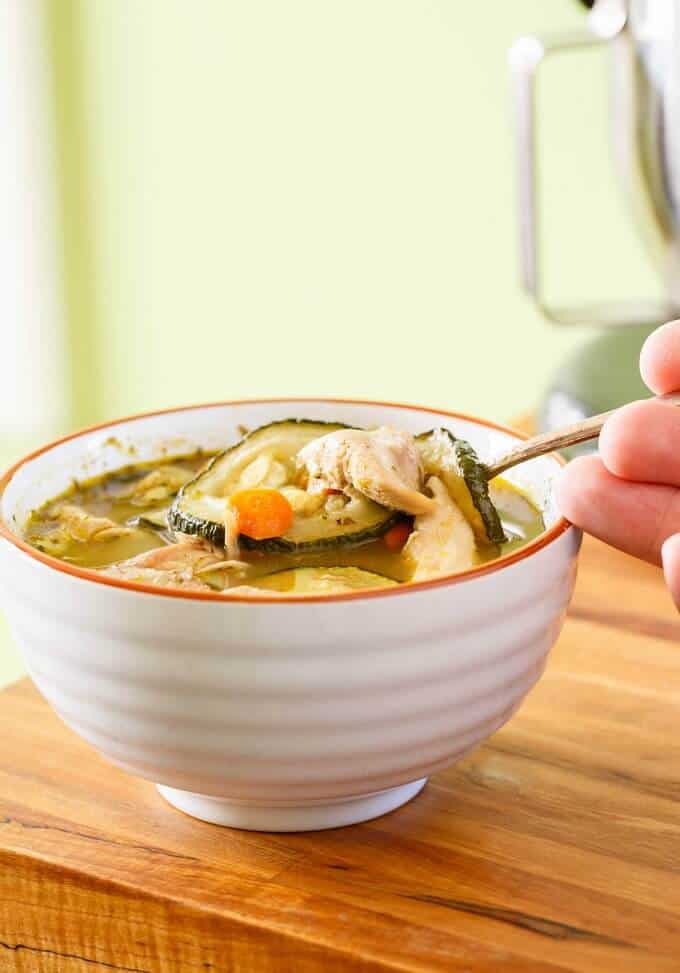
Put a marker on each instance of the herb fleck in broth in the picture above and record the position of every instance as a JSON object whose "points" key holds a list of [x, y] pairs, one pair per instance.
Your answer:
{"points": [[118, 523]]}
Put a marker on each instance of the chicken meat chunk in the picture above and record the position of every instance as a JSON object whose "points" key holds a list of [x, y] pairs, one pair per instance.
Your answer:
{"points": [[442, 541], [189, 564], [73, 523], [159, 484], [81, 525], [382, 464]]}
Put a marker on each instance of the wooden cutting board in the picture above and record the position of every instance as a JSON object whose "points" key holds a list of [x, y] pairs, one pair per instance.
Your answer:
{"points": [[555, 847]]}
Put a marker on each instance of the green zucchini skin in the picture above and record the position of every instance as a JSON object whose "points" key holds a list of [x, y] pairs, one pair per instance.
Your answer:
{"points": [[213, 533], [208, 530], [279, 545], [182, 520], [474, 475]]}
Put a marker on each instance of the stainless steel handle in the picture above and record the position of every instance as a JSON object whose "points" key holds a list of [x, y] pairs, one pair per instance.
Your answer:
{"points": [[605, 21]]}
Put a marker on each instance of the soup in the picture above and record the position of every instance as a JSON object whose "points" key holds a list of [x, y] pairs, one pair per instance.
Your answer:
{"points": [[296, 507]]}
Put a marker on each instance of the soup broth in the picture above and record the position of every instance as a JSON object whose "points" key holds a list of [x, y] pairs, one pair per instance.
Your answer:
{"points": [[122, 524]]}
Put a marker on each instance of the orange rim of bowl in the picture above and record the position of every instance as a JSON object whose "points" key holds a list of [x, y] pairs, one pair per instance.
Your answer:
{"points": [[85, 574]]}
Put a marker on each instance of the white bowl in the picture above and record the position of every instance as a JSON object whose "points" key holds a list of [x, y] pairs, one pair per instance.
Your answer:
{"points": [[270, 714]]}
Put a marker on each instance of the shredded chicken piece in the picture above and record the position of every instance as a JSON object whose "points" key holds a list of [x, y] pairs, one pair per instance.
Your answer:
{"points": [[184, 556], [442, 541], [83, 526], [177, 565], [336, 503], [246, 589], [158, 579], [303, 502], [237, 567], [383, 464], [159, 484], [231, 532]]}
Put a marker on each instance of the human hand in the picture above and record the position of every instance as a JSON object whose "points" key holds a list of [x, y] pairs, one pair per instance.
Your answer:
{"points": [[629, 495]]}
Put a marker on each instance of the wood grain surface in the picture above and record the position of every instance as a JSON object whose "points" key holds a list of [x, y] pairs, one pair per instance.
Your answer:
{"points": [[555, 847]]}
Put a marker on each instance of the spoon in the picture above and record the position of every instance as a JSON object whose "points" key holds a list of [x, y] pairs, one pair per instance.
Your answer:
{"points": [[547, 442]]}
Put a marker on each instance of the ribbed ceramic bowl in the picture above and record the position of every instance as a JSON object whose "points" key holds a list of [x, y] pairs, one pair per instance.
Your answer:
{"points": [[270, 714]]}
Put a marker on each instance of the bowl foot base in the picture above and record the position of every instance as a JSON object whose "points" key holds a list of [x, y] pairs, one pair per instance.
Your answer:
{"points": [[311, 817]]}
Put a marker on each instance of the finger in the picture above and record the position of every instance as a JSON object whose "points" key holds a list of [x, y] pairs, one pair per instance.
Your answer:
{"points": [[660, 359], [670, 555], [635, 517], [641, 442]]}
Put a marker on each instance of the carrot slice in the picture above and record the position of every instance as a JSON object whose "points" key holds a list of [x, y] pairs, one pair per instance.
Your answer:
{"points": [[396, 536], [262, 513]]}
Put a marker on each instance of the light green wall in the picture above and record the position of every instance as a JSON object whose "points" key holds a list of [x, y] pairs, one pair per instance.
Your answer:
{"points": [[302, 196], [287, 197]]}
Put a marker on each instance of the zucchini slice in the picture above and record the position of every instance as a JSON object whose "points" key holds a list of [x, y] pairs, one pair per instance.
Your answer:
{"points": [[266, 457], [321, 581], [457, 464]]}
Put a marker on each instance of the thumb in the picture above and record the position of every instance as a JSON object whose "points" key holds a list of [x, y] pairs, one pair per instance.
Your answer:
{"points": [[670, 557]]}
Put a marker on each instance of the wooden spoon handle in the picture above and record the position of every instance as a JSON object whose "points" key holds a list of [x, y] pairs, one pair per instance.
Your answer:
{"points": [[579, 432]]}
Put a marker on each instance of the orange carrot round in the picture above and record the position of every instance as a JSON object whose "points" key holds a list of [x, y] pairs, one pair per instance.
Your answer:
{"points": [[396, 536], [262, 513]]}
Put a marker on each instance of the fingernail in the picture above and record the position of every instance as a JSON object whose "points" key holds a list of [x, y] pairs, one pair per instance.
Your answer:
{"points": [[670, 558]]}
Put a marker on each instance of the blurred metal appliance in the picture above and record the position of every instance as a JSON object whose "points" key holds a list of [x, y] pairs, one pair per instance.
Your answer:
{"points": [[643, 42]]}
